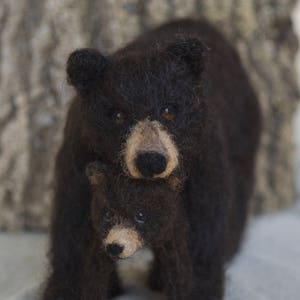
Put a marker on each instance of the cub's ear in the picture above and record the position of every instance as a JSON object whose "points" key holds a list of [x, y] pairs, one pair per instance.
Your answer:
{"points": [[85, 68], [175, 182], [96, 173], [190, 51]]}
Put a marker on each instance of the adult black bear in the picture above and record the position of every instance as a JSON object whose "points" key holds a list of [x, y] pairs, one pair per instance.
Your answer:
{"points": [[177, 99]]}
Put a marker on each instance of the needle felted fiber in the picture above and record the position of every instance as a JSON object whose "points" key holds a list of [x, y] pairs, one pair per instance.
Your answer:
{"points": [[188, 68]]}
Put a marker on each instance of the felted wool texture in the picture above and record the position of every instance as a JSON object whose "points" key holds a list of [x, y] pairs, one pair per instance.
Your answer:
{"points": [[216, 132], [117, 206], [126, 237], [148, 136]]}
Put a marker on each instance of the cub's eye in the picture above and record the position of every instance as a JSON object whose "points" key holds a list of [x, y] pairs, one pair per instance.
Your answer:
{"points": [[118, 117], [168, 112], [140, 218], [107, 217]]}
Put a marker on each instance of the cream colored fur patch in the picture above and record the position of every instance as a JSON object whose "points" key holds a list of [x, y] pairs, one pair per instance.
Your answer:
{"points": [[126, 237], [149, 136]]}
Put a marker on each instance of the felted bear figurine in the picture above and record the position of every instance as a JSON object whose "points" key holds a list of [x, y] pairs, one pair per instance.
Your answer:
{"points": [[175, 100], [129, 214]]}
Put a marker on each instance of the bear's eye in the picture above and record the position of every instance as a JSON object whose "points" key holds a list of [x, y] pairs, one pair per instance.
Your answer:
{"points": [[140, 218], [168, 112], [107, 217], [118, 117]]}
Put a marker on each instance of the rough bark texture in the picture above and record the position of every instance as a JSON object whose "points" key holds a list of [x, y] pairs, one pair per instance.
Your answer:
{"points": [[37, 35]]}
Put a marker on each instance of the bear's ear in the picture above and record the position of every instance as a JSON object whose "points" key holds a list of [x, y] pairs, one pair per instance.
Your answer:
{"points": [[190, 51], [96, 173], [85, 68]]}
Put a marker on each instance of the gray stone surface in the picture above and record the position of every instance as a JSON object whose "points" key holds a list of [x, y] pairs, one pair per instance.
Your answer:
{"points": [[266, 269], [22, 263], [268, 266]]}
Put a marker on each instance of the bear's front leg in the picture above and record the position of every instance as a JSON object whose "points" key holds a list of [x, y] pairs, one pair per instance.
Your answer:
{"points": [[208, 279], [207, 246], [69, 239], [208, 195], [71, 231], [172, 269], [99, 277]]}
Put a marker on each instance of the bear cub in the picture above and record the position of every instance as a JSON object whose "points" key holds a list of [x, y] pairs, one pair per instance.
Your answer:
{"points": [[127, 215]]}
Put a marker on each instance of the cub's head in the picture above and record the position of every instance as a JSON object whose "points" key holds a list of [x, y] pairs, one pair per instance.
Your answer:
{"points": [[142, 111], [128, 214]]}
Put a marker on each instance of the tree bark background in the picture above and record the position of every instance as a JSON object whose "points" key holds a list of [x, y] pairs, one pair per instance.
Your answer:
{"points": [[36, 37]]}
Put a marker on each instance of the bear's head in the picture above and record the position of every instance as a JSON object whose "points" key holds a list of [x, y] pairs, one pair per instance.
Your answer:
{"points": [[128, 214], [142, 111]]}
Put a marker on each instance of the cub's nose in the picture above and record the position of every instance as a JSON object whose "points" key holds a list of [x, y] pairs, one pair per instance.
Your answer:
{"points": [[114, 249], [150, 163]]}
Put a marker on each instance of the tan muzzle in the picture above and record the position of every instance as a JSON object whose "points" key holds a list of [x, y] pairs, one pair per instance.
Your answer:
{"points": [[122, 242], [149, 137]]}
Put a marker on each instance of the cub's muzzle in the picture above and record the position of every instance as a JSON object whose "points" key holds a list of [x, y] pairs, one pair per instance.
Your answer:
{"points": [[150, 151], [122, 242]]}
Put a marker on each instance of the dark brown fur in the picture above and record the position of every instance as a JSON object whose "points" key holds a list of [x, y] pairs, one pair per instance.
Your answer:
{"points": [[118, 200], [216, 131]]}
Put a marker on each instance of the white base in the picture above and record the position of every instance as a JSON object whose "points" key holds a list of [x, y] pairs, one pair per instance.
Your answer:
{"points": [[268, 267]]}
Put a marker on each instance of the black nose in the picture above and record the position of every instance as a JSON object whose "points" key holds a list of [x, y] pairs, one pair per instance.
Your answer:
{"points": [[114, 249], [151, 163]]}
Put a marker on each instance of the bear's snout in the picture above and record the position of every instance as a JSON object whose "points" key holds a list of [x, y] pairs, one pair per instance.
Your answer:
{"points": [[150, 151], [122, 242], [150, 164]]}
